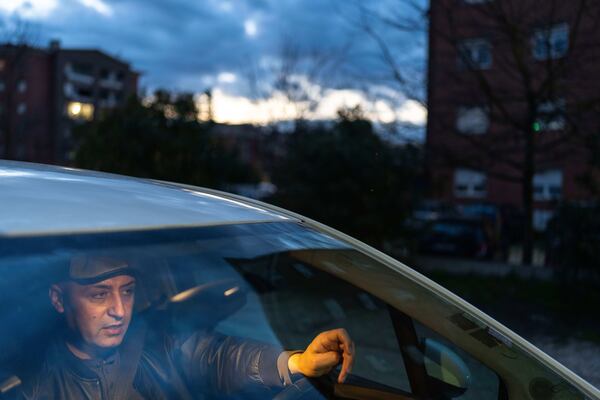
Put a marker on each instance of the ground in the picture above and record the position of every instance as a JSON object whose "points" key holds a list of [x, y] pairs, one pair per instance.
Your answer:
{"points": [[560, 319]]}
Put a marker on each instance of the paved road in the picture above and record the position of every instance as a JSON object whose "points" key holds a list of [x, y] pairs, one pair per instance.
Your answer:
{"points": [[459, 266]]}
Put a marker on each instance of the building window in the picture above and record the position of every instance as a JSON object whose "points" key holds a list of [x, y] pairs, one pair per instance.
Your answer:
{"points": [[21, 108], [85, 93], [2, 86], [476, 1], [83, 69], [475, 54], [541, 219], [547, 185], [472, 120], [22, 86], [550, 116], [80, 111], [2, 65], [69, 89], [551, 43], [469, 183]]}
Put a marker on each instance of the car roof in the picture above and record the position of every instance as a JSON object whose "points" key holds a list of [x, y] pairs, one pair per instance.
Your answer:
{"points": [[39, 199], [462, 219]]}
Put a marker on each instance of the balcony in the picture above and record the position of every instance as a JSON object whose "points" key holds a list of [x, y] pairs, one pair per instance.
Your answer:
{"points": [[78, 77]]}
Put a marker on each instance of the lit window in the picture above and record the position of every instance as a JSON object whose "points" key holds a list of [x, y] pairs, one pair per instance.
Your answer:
{"points": [[84, 111], [550, 116], [547, 185], [22, 86], [469, 183], [21, 108], [472, 120], [475, 54], [550, 43]]}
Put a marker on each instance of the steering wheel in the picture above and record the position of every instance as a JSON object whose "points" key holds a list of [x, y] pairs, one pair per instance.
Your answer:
{"points": [[302, 389]]}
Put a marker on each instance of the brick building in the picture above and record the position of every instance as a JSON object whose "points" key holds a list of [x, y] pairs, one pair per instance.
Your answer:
{"points": [[45, 92], [513, 104]]}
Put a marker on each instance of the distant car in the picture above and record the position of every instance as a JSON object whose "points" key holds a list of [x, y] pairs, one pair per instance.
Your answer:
{"points": [[458, 236], [428, 211], [214, 262]]}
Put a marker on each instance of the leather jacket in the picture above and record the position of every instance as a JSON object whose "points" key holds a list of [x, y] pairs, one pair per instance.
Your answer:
{"points": [[199, 366]]}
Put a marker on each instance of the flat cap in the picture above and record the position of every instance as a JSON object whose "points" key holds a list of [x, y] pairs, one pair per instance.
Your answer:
{"points": [[87, 269]]}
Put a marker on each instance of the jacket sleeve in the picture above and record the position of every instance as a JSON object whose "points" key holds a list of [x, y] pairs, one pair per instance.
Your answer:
{"points": [[227, 364]]}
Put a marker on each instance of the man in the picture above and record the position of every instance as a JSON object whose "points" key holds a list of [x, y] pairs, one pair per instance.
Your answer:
{"points": [[105, 354]]}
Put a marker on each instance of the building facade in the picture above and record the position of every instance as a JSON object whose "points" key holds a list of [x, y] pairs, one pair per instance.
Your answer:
{"points": [[513, 104], [44, 93]]}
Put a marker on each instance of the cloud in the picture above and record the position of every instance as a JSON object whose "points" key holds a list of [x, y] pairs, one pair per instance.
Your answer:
{"points": [[228, 108], [99, 6], [194, 45], [31, 9], [250, 27], [226, 77]]}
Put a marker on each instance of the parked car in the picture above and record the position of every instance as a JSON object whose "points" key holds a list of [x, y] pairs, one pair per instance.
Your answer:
{"points": [[214, 262], [491, 213], [458, 236], [427, 211]]}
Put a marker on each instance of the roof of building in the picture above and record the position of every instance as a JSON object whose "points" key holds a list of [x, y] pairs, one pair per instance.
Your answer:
{"points": [[94, 52], [38, 199], [55, 48]]}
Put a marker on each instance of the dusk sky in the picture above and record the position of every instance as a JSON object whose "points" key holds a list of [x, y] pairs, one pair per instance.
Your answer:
{"points": [[237, 48]]}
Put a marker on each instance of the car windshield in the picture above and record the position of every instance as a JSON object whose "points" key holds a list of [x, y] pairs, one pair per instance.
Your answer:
{"points": [[216, 301]]}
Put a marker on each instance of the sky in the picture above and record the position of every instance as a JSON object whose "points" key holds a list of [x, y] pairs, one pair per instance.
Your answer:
{"points": [[253, 54]]}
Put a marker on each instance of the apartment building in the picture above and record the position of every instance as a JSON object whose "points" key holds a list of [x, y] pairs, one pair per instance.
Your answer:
{"points": [[512, 95], [45, 92]]}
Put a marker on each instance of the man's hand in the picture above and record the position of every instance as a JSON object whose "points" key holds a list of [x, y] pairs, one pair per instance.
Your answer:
{"points": [[323, 354]]}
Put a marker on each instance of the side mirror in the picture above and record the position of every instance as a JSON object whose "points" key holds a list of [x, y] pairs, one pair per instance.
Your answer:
{"points": [[448, 374]]}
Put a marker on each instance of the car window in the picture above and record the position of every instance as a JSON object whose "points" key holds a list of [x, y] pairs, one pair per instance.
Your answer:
{"points": [[301, 300], [275, 285]]}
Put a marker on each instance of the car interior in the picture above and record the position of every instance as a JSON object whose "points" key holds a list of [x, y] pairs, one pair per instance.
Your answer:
{"points": [[276, 283]]}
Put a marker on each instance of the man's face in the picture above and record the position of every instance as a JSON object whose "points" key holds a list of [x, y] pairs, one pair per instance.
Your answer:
{"points": [[99, 312]]}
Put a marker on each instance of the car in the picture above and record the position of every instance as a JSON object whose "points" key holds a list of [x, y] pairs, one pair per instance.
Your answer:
{"points": [[458, 236], [215, 262], [427, 211]]}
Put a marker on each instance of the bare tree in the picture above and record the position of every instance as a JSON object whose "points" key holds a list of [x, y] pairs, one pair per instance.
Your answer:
{"points": [[298, 74], [393, 29], [537, 87], [528, 65]]}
